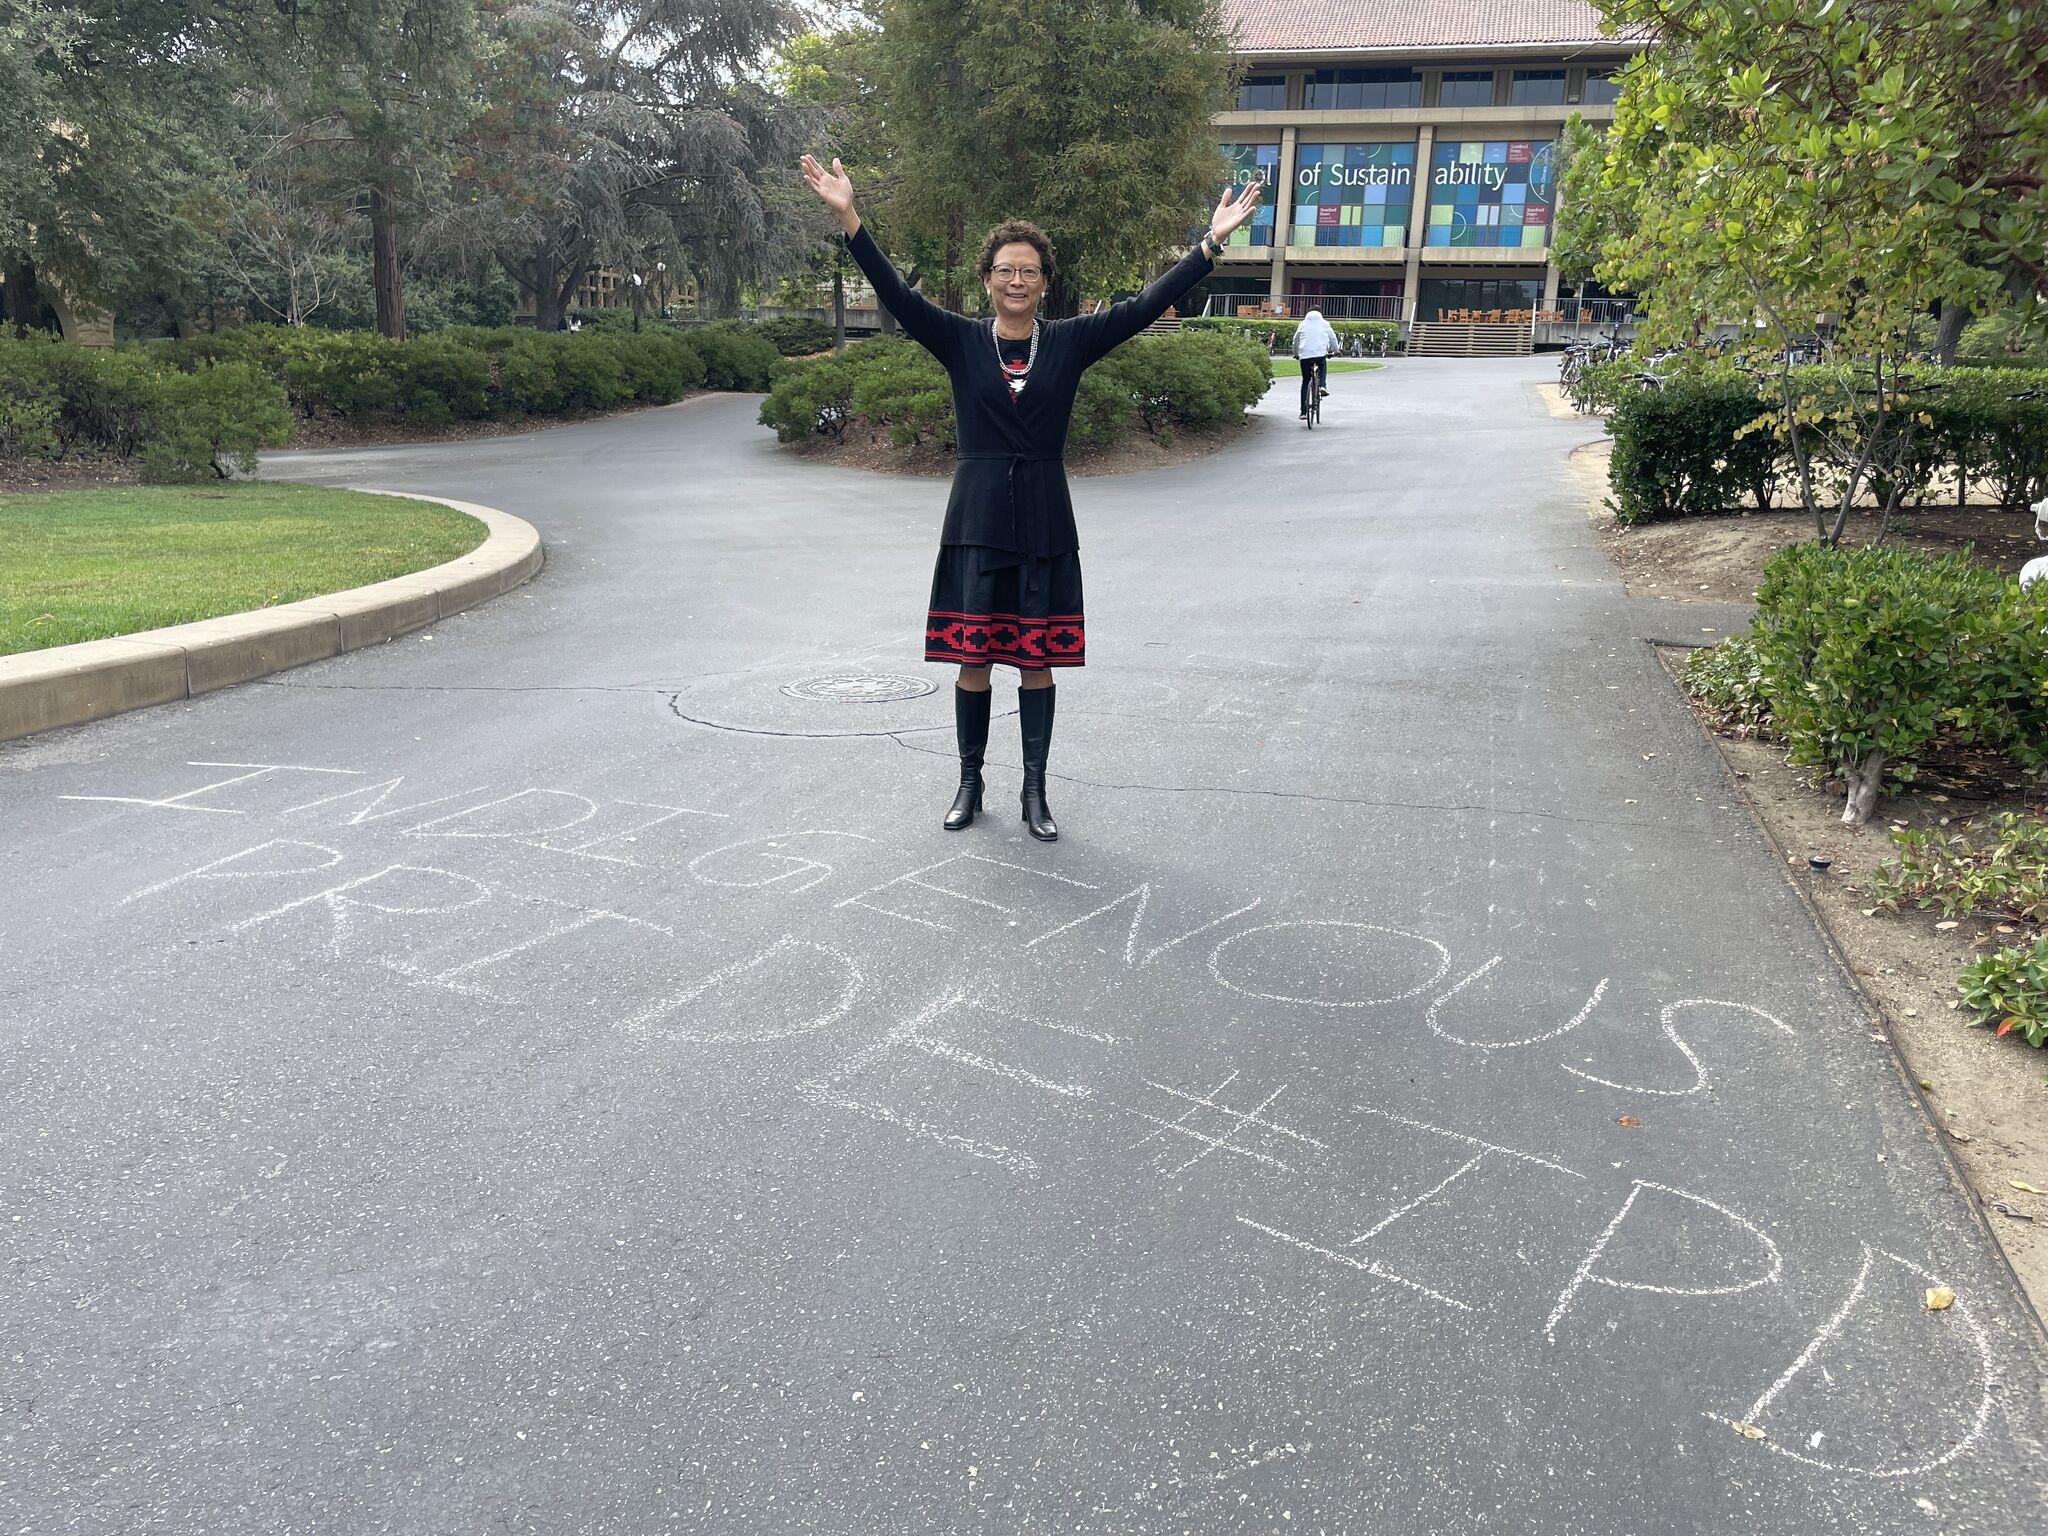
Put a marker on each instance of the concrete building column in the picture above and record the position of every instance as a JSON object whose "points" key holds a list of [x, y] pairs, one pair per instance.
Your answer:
{"points": [[1418, 224], [1283, 216], [1550, 272]]}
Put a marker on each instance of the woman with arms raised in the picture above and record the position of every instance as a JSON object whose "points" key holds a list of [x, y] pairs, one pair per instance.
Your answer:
{"points": [[1008, 583]]}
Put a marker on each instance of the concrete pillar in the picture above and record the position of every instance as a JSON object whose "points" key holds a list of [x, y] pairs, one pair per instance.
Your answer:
{"points": [[1550, 272], [1283, 216], [1418, 224]]}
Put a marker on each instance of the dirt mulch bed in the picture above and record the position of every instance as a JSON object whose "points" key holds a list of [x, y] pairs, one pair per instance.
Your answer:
{"points": [[1720, 559], [873, 451], [1989, 1097]]}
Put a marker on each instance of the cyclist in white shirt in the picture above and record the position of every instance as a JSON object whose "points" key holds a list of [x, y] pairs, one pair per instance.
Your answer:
{"points": [[1314, 341]]}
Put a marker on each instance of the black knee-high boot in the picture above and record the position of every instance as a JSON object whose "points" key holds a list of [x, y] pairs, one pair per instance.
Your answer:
{"points": [[1034, 715], [970, 724]]}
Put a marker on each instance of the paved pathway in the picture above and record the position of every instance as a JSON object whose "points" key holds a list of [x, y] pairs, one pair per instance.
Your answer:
{"points": [[556, 1075]]}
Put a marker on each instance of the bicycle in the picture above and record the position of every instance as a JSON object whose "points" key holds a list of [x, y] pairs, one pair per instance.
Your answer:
{"points": [[1312, 392]]}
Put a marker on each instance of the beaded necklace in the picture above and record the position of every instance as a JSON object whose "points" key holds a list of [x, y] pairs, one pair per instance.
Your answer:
{"points": [[1016, 375]]}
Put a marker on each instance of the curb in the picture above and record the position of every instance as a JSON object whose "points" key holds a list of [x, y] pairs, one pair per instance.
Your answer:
{"points": [[73, 684]]}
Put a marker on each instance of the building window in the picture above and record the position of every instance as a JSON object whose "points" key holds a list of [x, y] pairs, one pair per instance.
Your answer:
{"points": [[1354, 90], [1491, 193], [1352, 194], [1466, 88], [1262, 93], [1601, 88], [1537, 88], [1439, 296], [1250, 162]]}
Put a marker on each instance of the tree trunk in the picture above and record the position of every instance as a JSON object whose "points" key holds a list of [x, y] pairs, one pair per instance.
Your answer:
{"points": [[1865, 779], [956, 234], [384, 265], [24, 304], [839, 298], [1949, 330]]}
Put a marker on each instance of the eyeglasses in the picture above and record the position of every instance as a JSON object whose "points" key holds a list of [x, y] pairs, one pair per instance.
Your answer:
{"points": [[1011, 274]]}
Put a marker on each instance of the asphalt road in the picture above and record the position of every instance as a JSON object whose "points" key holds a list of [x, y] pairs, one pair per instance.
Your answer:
{"points": [[554, 1073]]}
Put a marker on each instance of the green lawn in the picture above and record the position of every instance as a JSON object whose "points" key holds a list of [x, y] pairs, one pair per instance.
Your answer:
{"points": [[83, 565], [1288, 368]]}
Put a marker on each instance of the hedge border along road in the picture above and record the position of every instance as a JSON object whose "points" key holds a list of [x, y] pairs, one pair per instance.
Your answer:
{"points": [[72, 684]]}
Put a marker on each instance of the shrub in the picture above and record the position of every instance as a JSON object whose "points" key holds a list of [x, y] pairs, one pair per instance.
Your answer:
{"points": [[1373, 338], [30, 407], [211, 419], [2008, 990], [736, 355], [797, 335], [1729, 679], [1865, 652], [1166, 382], [1681, 450], [1190, 379]]}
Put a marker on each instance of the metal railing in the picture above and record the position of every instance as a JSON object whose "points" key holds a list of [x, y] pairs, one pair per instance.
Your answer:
{"points": [[1335, 306]]}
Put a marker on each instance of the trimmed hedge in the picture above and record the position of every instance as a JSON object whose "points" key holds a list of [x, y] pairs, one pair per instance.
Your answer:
{"points": [[136, 400], [1156, 384], [797, 335], [1377, 337], [1682, 450], [1862, 657]]}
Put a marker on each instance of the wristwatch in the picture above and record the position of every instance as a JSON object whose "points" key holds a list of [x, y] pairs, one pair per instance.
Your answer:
{"points": [[1211, 246]]}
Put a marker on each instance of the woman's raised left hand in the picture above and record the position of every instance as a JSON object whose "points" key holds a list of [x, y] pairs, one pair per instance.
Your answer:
{"points": [[1233, 209]]}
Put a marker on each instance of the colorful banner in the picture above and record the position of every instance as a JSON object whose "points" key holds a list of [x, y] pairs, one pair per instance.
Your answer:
{"points": [[1248, 162], [1353, 194], [1491, 192]]}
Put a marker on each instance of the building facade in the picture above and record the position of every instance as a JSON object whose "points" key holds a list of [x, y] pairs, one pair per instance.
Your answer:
{"points": [[1408, 152]]}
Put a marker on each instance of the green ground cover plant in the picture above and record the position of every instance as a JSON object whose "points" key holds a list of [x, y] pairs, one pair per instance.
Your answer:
{"points": [[2008, 991], [86, 565], [1999, 870]]}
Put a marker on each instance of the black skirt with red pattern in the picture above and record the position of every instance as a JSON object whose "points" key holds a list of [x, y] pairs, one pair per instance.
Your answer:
{"points": [[992, 606]]}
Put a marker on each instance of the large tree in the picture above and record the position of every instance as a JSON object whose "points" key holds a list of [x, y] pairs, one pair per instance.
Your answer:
{"points": [[1091, 117], [116, 126], [381, 91], [619, 132], [1824, 152]]}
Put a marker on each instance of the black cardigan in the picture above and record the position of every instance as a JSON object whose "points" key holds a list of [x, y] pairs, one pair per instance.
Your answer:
{"points": [[1010, 485]]}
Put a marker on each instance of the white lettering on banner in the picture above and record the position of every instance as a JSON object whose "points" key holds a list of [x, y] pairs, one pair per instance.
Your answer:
{"points": [[1357, 175], [1470, 176]]}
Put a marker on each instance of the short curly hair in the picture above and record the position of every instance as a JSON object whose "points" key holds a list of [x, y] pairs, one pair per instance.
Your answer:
{"points": [[1016, 232]]}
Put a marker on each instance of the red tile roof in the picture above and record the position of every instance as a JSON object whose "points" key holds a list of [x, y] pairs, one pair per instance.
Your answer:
{"points": [[1276, 26]]}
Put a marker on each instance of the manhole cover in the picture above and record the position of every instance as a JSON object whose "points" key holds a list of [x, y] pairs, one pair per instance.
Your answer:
{"points": [[858, 688]]}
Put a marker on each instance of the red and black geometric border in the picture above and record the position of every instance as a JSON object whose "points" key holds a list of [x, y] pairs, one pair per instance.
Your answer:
{"points": [[976, 639]]}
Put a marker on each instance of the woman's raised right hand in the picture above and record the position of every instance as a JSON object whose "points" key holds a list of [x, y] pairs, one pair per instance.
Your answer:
{"points": [[832, 186]]}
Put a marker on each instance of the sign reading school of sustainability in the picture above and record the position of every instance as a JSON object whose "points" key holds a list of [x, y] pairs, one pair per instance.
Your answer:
{"points": [[1482, 192]]}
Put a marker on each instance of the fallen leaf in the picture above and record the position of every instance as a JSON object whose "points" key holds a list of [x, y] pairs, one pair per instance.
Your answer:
{"points": [[2004, 1025], [1940, 1298], [2025, 1188], [1947, 925], [1927, 1085], [1956, 1135], [2013, 1211], [1747, 1431], [1941, 799], [1911, 1013], [1629, 1120]]}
